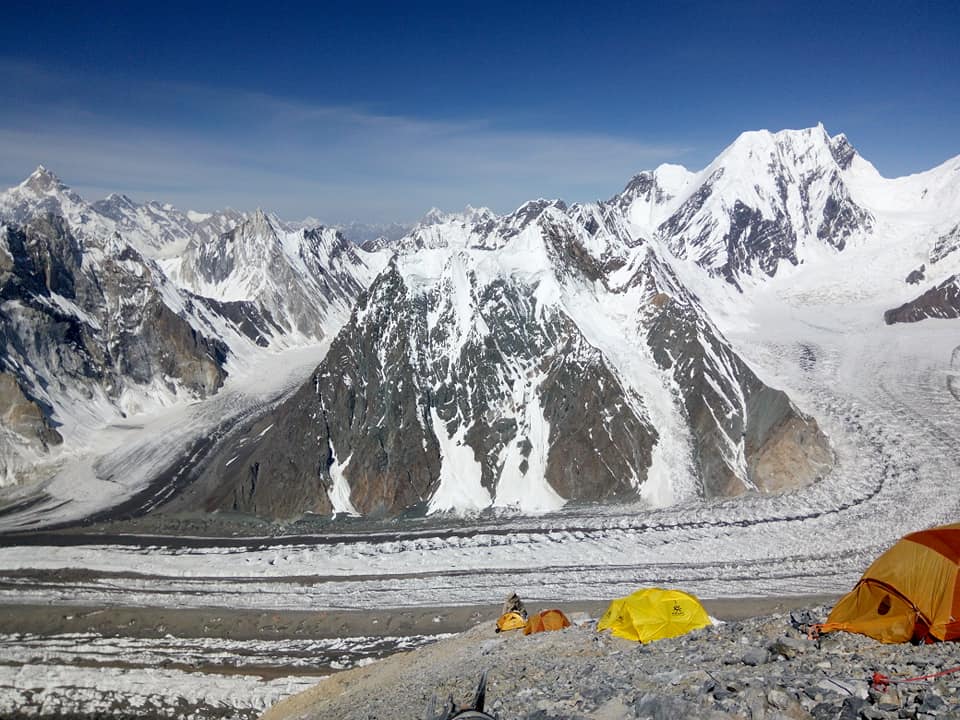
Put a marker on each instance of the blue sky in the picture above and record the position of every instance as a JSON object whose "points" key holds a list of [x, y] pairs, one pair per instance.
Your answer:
{"points": [[377, 111]]}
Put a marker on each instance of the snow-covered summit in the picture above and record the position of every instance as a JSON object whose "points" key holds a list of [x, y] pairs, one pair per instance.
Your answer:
{"points": [[303, 281], [42, 192], [469, 215], [42, 181]]}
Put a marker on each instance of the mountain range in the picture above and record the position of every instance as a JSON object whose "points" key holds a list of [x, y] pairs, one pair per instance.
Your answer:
{"points": [[555, 354]]}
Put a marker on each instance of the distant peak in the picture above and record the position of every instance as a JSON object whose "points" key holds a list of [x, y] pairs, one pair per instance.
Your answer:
{"points": [[119, 198], [470, 214], [433, 216], [259, 223], [42, 180], [476, 215]]}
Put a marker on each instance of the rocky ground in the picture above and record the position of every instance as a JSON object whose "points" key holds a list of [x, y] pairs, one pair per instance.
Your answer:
{"points": [[755, 669]]}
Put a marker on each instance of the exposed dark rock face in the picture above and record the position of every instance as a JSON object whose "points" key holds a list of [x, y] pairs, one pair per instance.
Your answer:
{"points": [[392, 381], [942, 301], [248, 318], [755, 240], [685, 237], [544, 356], [642, 186], [480, 368], [916, 276], [747, 435], [24, 416], [946, 244], [798, 193], [841, 218], [69, 330], [93, 325], [843, 152]]}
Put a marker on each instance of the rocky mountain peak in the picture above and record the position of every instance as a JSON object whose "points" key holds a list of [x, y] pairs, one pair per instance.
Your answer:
{"points": [[257, 231], [843, 152], [754, 149], [43, 183], [468, 216], [42, 180]]}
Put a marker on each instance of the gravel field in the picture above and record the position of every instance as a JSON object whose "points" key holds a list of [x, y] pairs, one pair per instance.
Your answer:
{"points": [[76, 661], [761, 668]]}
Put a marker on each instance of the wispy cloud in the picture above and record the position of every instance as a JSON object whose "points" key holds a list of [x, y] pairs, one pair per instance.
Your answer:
{"points": [[204, 148]]}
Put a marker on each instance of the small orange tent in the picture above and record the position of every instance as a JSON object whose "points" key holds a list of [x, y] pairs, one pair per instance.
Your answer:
{"points": [[910, 592], [546, 620]]}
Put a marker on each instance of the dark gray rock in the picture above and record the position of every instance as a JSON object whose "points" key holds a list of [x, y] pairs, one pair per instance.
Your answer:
{"points": [[374, 399], [916, 276], [942, 301], [755, 656], [843, 152], [945, 244]]}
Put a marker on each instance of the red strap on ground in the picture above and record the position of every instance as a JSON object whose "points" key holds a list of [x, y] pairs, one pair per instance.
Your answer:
{"points": [[879, 681]]}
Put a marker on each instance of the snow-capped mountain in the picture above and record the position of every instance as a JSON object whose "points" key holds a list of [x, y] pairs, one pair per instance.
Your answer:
{"points": [[554, 354], [562, 353], [162, 230], [766, 199], [90, 331], [99, 321], [289, 286], [364, 234], [154, 229]]}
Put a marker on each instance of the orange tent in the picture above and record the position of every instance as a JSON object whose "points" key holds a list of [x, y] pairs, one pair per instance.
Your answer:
{"points": [[546, 620], [911, 592]]}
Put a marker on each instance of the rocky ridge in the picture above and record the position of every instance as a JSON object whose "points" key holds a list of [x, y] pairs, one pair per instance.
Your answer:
{"points": [[78, 337], [762, 668], [941, 301]]}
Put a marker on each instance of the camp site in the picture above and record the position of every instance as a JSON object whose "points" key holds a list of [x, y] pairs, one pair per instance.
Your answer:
{"points": [[884, 649], [480, 360]]}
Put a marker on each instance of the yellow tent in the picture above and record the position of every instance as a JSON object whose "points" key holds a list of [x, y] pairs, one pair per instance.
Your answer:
{"points": [[910, 592], [510, 621], [654, 614]]}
